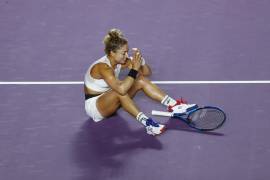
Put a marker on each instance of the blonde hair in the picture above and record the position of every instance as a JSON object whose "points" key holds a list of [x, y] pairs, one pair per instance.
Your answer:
{"points": [[114, 40]]}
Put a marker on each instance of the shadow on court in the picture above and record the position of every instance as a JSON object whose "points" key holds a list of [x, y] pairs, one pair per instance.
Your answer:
{"points": [[102, 150]]}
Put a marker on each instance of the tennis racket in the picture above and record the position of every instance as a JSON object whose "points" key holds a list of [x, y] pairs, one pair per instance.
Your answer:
{"points": [[203, 119]]}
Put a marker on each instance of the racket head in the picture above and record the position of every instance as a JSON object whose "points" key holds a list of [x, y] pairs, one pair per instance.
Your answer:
{"points": [[206, 118]]}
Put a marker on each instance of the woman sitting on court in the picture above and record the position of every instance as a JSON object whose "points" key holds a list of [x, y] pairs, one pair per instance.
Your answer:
{"points": [[105, 93]]}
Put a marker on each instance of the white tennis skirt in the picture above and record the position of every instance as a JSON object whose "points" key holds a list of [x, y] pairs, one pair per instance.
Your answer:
{"points": [[91, 109]]}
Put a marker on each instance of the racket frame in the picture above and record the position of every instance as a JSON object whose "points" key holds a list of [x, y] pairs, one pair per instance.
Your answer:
{"points": [[185, 116]]}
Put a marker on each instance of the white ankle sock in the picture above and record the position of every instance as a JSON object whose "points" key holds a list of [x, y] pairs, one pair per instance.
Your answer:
{"points": [[141, 117], [168, 101]]}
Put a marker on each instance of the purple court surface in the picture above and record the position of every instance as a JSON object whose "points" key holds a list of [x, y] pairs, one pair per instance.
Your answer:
{"points": [[45, 133]]}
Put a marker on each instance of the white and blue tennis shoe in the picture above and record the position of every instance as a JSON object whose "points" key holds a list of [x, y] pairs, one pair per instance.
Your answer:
{"points": [[181, 106], [153, 128]]}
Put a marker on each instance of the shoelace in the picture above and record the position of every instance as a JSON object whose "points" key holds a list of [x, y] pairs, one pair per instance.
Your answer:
{"points": [[151, 122]]}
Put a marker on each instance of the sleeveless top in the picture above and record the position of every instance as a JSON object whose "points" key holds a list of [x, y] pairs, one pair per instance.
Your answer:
{"points": [[99, 85]]}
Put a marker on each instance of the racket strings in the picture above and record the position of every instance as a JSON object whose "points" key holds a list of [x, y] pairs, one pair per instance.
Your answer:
{"points": [[207, 119]]}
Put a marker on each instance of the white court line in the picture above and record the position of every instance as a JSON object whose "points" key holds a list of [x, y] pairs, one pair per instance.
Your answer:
{"points": [[155, 82], [212, 82], [41, 82]]}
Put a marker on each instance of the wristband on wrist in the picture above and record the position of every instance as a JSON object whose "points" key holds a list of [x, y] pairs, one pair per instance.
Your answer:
{"points": [[133, 73]]}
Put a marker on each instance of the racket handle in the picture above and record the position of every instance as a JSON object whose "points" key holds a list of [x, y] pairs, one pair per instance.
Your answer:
{"points": [[162, 113]]}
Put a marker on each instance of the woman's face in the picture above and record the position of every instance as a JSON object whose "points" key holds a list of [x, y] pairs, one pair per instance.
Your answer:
{"points": [[121, 54]]}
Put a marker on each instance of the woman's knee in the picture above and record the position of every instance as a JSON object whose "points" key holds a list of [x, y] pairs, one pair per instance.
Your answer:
{"points": [[112, 99], [141, 81]]}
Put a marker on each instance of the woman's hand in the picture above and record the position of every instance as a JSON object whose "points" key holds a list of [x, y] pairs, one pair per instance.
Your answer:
{"points": [[136, 59]]}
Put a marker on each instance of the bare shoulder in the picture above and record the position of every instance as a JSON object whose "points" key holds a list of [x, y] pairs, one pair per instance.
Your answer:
{"points": [[99, 69], [103, 66]]}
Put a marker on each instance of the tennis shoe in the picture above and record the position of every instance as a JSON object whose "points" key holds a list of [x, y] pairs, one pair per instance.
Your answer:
{"points": [[153, 128], [181, 106]]}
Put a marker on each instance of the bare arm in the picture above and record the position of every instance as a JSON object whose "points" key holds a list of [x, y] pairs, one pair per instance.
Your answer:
{"points": [[121, 87], [145, 70]]}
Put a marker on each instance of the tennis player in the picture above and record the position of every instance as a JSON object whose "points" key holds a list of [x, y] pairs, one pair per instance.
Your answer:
{"points": [[105, 93]]}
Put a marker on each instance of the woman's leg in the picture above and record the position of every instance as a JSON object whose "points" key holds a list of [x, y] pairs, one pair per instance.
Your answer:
{"points": [[109, 102], [153, 91], [150, 89]]}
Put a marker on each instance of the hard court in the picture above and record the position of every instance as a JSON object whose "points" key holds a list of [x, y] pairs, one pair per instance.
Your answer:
{"points": [[48, 45]]}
